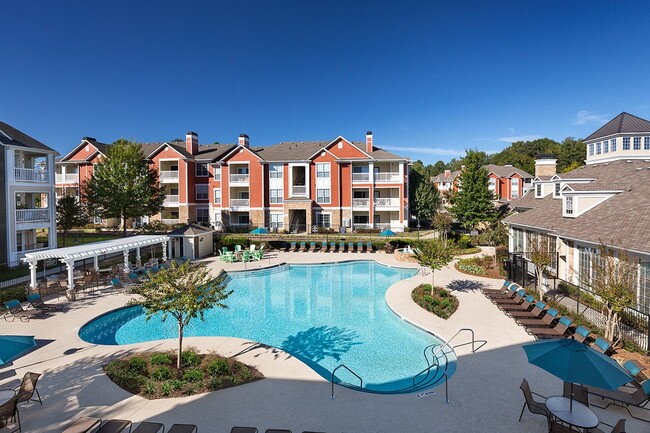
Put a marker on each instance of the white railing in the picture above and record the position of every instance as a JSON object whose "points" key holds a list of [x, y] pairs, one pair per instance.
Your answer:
{"points": [[387, 177], [171, 199], [67, 178], [387, 202], [169, 176], [360, 202], [382, 226], [32, 215], [358, 226], [361, 177], [31, 175], [239, 178], [298, 190], [239, 202], [170, 221]]}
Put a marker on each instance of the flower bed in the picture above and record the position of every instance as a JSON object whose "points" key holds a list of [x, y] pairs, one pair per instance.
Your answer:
{"points": [[442, 303], [481, 267], [154, 375]]}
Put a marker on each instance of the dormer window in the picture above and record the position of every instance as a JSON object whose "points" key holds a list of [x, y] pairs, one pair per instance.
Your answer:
{"points": [[568, 205], [538, 190], [598, 148], [646, 143], [591, 149], [612, 144]]}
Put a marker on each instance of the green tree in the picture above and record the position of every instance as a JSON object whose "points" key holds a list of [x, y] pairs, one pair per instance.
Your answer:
{"points": [[474, 201], [442, 222], [494, 236], [70, 213], [438, 167], [123, 185], [572, 155], [183, 292], [434, 254], [425, 198], [542, 257], [614, 279]]}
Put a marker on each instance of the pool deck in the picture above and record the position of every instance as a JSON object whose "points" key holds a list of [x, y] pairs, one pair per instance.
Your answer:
{"points": [[484, 392]]}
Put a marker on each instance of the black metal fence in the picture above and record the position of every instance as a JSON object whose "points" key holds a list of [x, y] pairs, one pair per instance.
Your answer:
{"points": [[634, 325]]}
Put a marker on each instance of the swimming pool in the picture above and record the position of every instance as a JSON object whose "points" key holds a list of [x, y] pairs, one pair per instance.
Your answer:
{"points": [[325, 315]]}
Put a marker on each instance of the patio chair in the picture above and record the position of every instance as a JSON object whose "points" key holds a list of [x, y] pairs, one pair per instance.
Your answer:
{"points": [[27, 388], [515, 300], [547, 319], [580, 393], [312, 247], [149, 427], [581, 334], [252, 248], [238, 248], [37, 303], [83, 424], [555, 426], [258, 254], [527, 304], [133, 279], [184, 259], [246, 256], [341, 247], [536, 313], [332, 248], [16, 311], [618, 428], [502, 289], [369, 248], [508, 293], [303, 247], [117, 285], [291, 247], [243, 430], [228, 257], [634, 394], [350, 247], [324, 247], [535, 407], [560, 328], [602, 346], [272, 430], [633, 368], [183, 428], [359, 247], [9, 414], [115, 426]]}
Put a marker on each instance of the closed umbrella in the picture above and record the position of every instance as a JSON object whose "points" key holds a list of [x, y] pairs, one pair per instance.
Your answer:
{"points": [[575, 362]]}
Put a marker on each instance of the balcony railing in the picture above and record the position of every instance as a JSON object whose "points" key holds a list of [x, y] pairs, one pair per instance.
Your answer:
{"points": [[381, 226], [357, 226], [298, 190], [387, 202], [31, 175], [32, 215], [361, 177], [169, 176], [171, 199], [387, 177], [171, 221], [67, 178], [239, 178], [240, 202], [360, 202]]}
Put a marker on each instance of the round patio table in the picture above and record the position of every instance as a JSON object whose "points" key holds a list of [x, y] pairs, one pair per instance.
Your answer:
{"points": [[6, 395], [578, 416]]}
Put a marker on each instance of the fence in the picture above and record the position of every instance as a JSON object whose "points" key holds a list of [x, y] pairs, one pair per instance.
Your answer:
{"points": [[634, 325]]}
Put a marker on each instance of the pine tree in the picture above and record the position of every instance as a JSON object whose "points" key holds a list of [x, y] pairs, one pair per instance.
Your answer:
{"points": [[474, 202]]}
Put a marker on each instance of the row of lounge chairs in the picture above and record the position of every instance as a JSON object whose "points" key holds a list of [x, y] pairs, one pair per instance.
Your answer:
{"points": [[96, 425], [39, 308], [331, 247]]}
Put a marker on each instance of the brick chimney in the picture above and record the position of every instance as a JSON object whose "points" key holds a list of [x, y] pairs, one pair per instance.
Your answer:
{"points": [[447, 173], [192, 143], [545, 165], [243, 140], [368, 141]]}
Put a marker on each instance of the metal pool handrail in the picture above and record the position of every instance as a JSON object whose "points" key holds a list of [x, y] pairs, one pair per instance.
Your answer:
{"points": [[346, 367]]}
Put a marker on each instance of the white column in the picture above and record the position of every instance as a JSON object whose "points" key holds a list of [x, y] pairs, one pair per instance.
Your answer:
{"points": [[96, 262], [127, 265], [165, 246], [32, 273], [70, 266], [138, 260]]}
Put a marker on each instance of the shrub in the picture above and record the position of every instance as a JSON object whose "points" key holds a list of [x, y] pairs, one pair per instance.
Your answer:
{"points": [[216, 382], [464, 242], [137, 365], [193, 375], [470, 266], [166, 388], [150, 387], [189, 358], [219, 366], [176, 384], [118, 371], [160, 359], [246, 374], [442, 303], [162, 373], [12, 293]]}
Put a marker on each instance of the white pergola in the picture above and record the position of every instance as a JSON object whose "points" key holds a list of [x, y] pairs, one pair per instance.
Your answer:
{"points": [[69, 255]]}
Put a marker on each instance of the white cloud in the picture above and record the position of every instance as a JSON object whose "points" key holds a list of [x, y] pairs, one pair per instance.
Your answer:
{"points": [[514, 138], [426, 150], [584, 116]]}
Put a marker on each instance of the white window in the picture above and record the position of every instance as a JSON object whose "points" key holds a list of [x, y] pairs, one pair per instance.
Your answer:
{"points": [[203, 216], [493, 184], [626, 143], [217, 195], [217, 172], [217, 219], [277, 221], [201, 192], [275, 171], [646, 143], [557, 189], [323, 196], [538, 190], [201, 169], [19, 241], [322, 169], [323, 219], [568, 205], [637, 143], [591, 149], [598, 152], [605, 146], [612, 144], [514, 184], [276, 195]]}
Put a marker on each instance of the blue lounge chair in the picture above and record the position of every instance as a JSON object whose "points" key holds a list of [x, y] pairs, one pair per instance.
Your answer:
{"points": [[312, 247], [16, 311], [350, 247], [341, 247], [37, 303], [369, 248], [324, 248], [359, 247], [581, 334], [602, 346], [332, 248], [303, 247]]}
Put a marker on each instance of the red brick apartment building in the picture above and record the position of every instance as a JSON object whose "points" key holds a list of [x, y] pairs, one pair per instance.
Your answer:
{"points": [[293, 186]]}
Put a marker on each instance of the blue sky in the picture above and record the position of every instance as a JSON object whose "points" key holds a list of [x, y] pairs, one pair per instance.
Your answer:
{"points": [[430, 79]]}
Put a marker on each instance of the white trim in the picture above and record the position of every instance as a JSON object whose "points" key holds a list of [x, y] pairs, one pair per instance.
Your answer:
{"points": [[76, 148]]}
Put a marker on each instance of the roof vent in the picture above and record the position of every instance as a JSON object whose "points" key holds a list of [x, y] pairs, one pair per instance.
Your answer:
{"points": [[639, 168], [628, 161], [607, 163]]}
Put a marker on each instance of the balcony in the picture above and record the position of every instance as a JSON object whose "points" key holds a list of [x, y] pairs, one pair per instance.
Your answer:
{"points": [[239, 179], [387, 202], [360, 177], [32, 215], [362, 226], [170, 176], [31, 175], [298, 190], [239, 202], [171, 200], [388, 177], [67, 178], [171, 221], [360, 203]]}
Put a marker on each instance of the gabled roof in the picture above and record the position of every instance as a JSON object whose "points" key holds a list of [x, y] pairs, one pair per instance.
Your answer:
{"points": [[190, 230], [621, 124], [12, 136], [506, 170], [444, 178], [101, 147], [213, 152]]}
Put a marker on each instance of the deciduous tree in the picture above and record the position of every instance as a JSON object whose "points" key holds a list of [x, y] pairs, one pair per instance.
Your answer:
{"points": [[434, 254], [542, 257], [70, 213]]}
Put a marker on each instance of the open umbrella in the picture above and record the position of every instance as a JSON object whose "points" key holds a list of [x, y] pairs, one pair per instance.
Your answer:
{"points": [[388, 233], [575, 362], [260, 231]]}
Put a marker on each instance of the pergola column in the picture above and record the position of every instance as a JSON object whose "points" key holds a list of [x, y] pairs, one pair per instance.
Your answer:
{"points": [[165, 246], [96, 262], [32, 273], [138, 259], [127, 265]]}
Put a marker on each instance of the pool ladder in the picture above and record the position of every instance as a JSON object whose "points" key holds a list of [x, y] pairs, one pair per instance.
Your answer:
{"points": [[348, 369]]}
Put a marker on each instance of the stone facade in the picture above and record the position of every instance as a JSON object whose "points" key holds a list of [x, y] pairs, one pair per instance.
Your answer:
{"points": [[257, 217]]}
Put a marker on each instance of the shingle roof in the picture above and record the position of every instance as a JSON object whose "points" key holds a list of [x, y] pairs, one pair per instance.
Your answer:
{"points": [[620, 220], [623, 123], [190, 230], [303, 150], [444, 178], [213, 151], [14, 137], [506, 170]]}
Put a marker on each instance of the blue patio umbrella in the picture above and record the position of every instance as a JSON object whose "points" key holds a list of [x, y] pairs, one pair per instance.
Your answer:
{"points": [[575, 362], [388, 233], [260, 231]]}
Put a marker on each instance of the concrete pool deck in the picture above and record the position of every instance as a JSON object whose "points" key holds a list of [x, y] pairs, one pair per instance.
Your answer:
{"points": [[484, 392]]}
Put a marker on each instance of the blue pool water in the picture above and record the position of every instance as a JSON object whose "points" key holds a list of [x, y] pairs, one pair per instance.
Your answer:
{"points": [[11, 346], [325, 315]]}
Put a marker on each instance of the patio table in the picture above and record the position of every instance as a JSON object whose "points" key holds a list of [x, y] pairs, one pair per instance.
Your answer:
{"points": [[6, 395], [577, 415]]}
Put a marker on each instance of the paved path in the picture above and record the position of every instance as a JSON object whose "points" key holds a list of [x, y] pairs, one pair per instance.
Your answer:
{"points": [[484, 393]]}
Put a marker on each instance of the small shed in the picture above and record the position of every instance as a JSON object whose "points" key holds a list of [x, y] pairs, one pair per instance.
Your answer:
{"points": [[192, 241]]}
